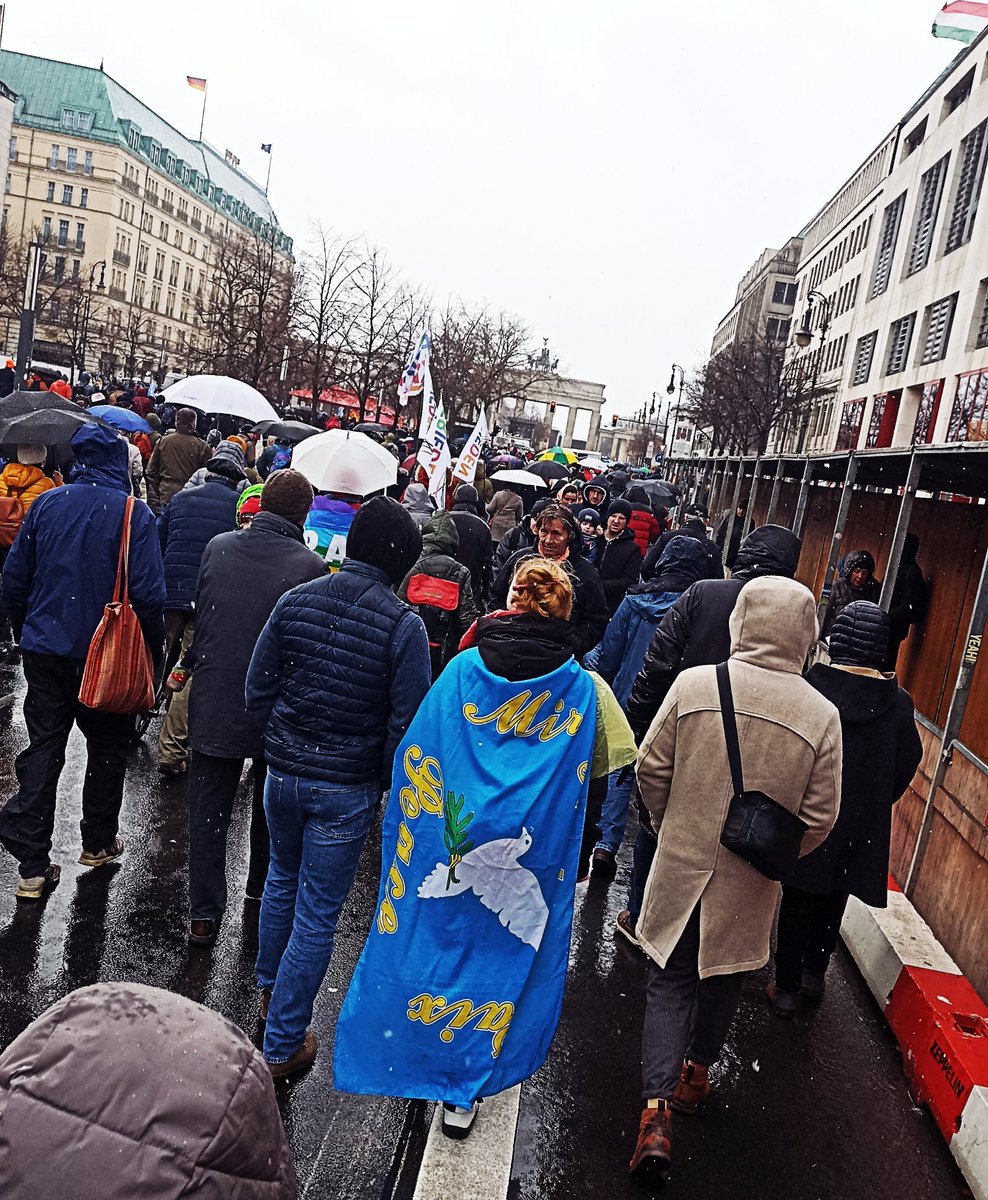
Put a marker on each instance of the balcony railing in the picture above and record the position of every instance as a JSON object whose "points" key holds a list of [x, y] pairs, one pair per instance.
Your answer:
{"points": [[168, 208], [76, 247], [121, 257], [131, 185], [151, 197], [182, 216], [196, 225], [117, 293]]}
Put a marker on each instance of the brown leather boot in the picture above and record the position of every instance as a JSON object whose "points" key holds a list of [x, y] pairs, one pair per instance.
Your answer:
{"points": [[693, 1089], [653, 1155]]}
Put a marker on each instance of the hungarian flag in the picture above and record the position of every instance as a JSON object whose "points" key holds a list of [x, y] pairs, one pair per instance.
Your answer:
{"points": [[961, 20], [194, 82]]}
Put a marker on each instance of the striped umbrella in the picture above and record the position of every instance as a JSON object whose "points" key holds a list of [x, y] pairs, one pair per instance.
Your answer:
{"points": [[559, 455]]}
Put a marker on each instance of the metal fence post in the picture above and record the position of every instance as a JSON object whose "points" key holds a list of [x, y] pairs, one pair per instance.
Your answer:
{"points": [[842, 510], [732, 515], [952, 726], [749, 512], [773, 499], [799, 519], [901, 527]]}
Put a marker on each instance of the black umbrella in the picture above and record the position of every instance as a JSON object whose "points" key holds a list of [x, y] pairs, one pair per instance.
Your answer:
{"points": [[45, 427], [372, 427], [286, 431], [549, 470], [665, 492], [19, 403]]}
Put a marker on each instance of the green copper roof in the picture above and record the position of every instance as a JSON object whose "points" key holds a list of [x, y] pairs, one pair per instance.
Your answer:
{"points": [[46, 88]]}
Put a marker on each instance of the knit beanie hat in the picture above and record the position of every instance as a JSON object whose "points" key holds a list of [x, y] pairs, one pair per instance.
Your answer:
{"points": [[620, 506], [384, 535], [589, 514], [287, 494], [32, 456], [240, 441], [250, 500], [227, 460], [466, 493], [185, 420], [154, 421]]}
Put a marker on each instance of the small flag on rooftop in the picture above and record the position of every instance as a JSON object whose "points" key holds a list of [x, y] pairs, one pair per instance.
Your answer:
{"points": [[195, 82], [266, 147], [961, 20]]}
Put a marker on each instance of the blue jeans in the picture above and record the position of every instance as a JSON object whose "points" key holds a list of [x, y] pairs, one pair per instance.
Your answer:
{"points": [[645, 846], [614, 814], [317, 831]]}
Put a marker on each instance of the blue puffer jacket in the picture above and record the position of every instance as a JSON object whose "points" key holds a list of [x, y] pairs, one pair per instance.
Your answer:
{"points": [[61, 570], [337, 675], [186, 525]]}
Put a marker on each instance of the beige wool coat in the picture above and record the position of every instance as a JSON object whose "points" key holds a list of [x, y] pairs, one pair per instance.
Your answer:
{"points": [[790, 741]]}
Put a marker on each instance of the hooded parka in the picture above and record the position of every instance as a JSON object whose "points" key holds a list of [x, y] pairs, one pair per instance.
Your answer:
{"points": [[790, 742], [121, 1091]]}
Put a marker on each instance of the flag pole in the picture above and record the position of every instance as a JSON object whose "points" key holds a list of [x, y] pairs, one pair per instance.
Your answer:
{"points": [[267, 182], [202, 119]]}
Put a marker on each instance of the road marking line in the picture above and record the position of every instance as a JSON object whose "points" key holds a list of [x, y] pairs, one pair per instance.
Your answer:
{"points": [[479, 1167]]}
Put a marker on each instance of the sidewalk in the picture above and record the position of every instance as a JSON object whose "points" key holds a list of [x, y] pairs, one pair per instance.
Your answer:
{"points": [[939, 1021]]}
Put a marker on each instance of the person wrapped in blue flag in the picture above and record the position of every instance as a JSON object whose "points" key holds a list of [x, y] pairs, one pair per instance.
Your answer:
{"points": [[459, 987]]}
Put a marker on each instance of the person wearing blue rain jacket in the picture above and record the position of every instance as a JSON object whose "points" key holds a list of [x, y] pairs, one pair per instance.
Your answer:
{"points": [[58, 577], [618, 659]]}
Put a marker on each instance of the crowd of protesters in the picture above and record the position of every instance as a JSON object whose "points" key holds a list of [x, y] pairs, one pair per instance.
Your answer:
{"points": [[314, 676]]}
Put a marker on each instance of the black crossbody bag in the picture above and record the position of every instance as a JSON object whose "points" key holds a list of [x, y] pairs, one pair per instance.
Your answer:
{"points": [[757, 829]]}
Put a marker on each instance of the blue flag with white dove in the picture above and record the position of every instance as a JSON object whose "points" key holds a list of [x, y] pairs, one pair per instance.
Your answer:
{"points": [[459, 987]]}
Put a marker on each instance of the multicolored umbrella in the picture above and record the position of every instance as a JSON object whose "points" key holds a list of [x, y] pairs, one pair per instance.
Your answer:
{"points": [[559, 455]]}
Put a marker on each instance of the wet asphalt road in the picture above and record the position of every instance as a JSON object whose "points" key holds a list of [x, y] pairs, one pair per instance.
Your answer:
{"points": [[814, 1109]]}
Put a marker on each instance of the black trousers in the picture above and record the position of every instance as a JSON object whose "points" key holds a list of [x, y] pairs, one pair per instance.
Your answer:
{"points": [[809, 925], [212, 789], [685, 1016], [50, 708]]}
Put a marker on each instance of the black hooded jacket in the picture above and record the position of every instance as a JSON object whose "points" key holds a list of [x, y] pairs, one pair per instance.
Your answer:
{"points": [[520, 645], [476, 548], [695, 631], [694, 528], [618, 564], [881, 753]]}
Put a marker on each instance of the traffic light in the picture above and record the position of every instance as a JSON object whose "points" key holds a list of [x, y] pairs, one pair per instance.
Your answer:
{"points": [[552, 406], [614, 421]]}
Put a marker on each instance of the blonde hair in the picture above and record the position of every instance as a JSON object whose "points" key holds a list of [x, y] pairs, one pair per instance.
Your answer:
{"points": [[543, 588]]}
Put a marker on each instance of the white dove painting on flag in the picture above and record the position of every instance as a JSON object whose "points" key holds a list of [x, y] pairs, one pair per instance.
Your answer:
{"points": [[492, 873]]}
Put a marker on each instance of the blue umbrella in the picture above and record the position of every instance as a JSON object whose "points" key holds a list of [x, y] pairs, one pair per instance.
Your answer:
{"points": [[120, 418]]}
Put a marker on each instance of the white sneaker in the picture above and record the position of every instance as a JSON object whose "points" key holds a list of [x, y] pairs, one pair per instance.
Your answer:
{"points": [[457, 1122]]}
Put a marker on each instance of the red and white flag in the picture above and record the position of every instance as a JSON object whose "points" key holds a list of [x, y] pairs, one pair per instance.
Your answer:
{"points": [[195, 82]]}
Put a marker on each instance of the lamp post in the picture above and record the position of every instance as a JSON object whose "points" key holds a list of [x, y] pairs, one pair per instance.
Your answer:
{"points": [[804, 338], [25, 337], [87, 312], [670, 390]]}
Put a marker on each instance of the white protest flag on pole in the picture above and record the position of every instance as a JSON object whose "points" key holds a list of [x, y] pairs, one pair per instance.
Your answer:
{"points": [[466, 467], [434, 455], [415, 381], [429, 404]]}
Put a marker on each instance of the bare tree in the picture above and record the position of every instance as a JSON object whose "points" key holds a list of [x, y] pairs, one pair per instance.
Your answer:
{"points": [[326, 311], [745, 392]]}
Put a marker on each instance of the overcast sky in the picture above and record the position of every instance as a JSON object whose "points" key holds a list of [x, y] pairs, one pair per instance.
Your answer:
{"points": [[607, 170]]}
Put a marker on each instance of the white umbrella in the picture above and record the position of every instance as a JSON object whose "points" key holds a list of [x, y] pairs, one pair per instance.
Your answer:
{"points": [[519, 478], [220, 394], [343, 460], [593, 464]]}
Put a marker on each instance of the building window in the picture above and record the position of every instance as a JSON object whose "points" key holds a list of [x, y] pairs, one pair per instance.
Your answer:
{"points": [[969, 416], [863, 355], [900, 338], [71, 158], [937, 321], [156, 156], [981, 318], [12, 150], [926, 414], [967, 188], [784, 293], [886, 246], [84, 197], [87, 163], [914, 140], [850, 424], [159, 265], [80, 235], [173, 273], [51, 191], [927, 210], [53, 159], [134, 137], [45, 228], [66, 193], [63, 233], [777, 329], [881, 427], [957, 94], [59, 267], [75, 270]]}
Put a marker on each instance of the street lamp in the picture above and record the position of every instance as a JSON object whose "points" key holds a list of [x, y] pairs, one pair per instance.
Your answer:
{"points": [[25, 337], [670, 389], [89, 308], [804, 338]]}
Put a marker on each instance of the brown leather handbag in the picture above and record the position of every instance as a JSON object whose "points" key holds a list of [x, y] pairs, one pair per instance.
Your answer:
{"points": [[118, 676]]}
